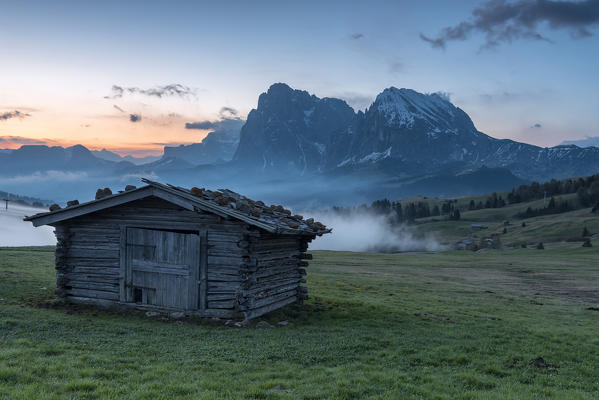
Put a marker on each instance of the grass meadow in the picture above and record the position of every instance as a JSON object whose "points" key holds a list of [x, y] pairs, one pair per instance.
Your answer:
{"points": [[452, 325]]}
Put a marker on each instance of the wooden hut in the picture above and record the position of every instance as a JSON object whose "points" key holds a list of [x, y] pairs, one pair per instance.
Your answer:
{"points": [[207, 253]]}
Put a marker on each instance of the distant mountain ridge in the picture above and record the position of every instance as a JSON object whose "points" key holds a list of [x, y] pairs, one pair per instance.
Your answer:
{"points": [[112, 156], [35, 158], [216, 148], [296, 146], [403, 133], [586, 142]]}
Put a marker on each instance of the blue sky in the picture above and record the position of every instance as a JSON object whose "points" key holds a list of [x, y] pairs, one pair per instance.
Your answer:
{"points": [[61, 59]]}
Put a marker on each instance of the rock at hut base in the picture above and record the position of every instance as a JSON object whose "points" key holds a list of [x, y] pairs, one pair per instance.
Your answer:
{"points": [[264, 324], [177, 315]]}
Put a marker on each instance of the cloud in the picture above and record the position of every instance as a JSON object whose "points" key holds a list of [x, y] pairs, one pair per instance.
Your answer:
{"points": [[134, 117], [227, 116], [14, 141], [503, 21], [172, 90], [228, 112], [502, 97], [118, 108], [204, 125], [586, 142], [136, 177], [506, 97], [46, 176], [396, 67], [356, 36], [13, 114], [444, 95], [536, 126]]}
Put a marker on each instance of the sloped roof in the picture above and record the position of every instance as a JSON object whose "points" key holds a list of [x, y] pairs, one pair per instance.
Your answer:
{"points": [[226, 203]]}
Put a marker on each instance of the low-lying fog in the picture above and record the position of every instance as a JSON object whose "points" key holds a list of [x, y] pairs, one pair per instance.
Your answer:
{"points": [[363, 231], [357, 231], [16, 232]]}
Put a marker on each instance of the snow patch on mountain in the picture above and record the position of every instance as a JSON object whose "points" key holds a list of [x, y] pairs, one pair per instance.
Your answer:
{"points": [[402, 106], [307, 114], [320, 147], [375, 156]]}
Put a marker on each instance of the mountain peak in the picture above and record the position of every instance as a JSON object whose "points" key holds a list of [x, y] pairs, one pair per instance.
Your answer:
{"points": [[292, 129], [411, 97], [401, 107], [279, 87], [78, 148], [280, 95]]}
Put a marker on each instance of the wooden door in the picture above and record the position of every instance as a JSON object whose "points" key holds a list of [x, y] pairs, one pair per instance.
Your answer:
{"points": [[162, 268]]}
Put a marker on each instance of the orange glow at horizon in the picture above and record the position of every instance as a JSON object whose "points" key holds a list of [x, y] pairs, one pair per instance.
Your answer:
{"points": [[115, 133]]}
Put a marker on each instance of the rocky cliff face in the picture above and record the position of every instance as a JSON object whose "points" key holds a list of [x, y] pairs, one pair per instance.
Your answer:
{"points": [[291, 130], [403, 133]]}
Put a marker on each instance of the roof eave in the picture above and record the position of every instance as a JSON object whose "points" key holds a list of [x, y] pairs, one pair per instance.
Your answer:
{"points": [[89, 207]]}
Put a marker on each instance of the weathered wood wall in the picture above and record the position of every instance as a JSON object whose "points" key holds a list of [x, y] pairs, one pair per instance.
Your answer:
{"points": [[249, 272], [274, 273]]}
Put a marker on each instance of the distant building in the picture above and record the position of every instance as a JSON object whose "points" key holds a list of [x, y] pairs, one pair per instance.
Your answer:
{"points": [[478, 227]]}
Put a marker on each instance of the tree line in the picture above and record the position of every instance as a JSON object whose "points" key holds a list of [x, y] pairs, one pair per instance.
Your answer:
{"points": [[586, 189], [406, 213]]}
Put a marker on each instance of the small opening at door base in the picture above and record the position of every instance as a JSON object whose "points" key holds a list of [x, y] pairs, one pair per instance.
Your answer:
{"points": [[137, 295]]}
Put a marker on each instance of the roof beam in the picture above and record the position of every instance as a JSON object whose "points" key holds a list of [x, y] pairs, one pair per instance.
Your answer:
{"points": [[89, 207]]}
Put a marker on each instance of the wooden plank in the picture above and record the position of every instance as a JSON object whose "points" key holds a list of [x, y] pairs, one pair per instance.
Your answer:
{"points": [[91, 262], [215, 276], [94, 253], [222, 304], [203, 281], [93, 268], [73, 276], [86, 284], [215, 260], [256, 312], [257, 303], [222, 296], [122, 264], [273, 287], [96, 245], [161, 268], [96, 294], [194, 248]]}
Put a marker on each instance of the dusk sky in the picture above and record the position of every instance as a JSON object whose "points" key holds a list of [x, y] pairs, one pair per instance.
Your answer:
{"points": [[128, 76]]}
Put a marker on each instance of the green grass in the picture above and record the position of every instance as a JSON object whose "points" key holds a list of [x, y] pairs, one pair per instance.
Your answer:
{"points": [[547, 229], [358, 337]]}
